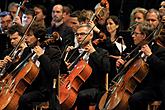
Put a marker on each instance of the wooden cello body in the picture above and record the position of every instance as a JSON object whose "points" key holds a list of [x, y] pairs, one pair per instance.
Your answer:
{"points": [[70, 86], [14, 86], [124, 88]]}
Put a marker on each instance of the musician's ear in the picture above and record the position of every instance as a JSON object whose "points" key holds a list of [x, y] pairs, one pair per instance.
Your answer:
{"points": [[144, 36]]}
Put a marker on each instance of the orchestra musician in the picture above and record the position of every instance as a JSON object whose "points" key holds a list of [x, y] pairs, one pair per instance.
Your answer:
{"points": [[97, 60], [5, 21], [48, 61], [152, 87], [15, 33]]}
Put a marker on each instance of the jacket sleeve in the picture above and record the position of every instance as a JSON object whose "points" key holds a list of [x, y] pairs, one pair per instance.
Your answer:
{"points": [[157, 62], [102, 60], [50, 61]]}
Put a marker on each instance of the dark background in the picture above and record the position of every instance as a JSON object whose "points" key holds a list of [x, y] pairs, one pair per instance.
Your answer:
{"points": [[120, 8]]}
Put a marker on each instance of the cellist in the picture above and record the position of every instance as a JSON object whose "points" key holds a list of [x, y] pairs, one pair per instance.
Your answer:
{"points": [[152, 87], [99, 62], [48, 61], [15, 33]]}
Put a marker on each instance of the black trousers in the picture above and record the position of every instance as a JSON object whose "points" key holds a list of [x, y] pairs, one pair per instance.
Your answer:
{"points": [[85, 98], [139, 100], [29, 100]]}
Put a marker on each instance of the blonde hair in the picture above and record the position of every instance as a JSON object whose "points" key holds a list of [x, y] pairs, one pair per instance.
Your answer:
{"points": [[137, 10]]}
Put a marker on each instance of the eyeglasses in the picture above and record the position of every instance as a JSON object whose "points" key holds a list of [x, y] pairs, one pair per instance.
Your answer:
{"points": [[81, 34], [135, 33]]}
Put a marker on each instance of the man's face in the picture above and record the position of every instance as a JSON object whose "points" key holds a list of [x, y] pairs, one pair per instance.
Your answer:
{"points": [[162, 8], [30, 40], [57, 13], [27, 19], [14, 39], [73, 23], [39, 14], [6, 22], [152, 19], [81, 34], [137, 36], [13, 10]]}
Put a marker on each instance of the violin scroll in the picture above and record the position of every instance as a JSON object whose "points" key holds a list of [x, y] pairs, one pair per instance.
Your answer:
{"points": [[53, 37]]}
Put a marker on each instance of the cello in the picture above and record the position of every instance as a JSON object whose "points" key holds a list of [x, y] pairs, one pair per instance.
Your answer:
{"points": [[15, 83], [129, 77], [121, 91], [71, 84], [14, 51]]}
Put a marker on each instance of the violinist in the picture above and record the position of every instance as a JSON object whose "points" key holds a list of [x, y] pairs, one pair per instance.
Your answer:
{"points": [[97, 59], [48, 61], [28, 16], [113, 43], [86, 17], [154, 86], [16, 14]]}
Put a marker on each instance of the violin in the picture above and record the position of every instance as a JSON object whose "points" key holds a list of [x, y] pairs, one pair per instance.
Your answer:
{"points": [[104, 4], [20, 6], [99, 13]]}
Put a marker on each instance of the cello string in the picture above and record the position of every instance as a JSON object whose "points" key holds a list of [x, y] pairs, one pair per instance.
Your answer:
{"points": [[80, 43], [154, 33], [3, 71], [124, 67]]}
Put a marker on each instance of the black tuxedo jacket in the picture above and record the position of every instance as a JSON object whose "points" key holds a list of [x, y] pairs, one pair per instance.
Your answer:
{"points": [[49, 69], [100, 65], [156, 64]]}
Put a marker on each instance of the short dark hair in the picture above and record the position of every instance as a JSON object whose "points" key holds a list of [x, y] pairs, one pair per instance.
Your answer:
{"points": [[30, 12], [16, 28], [44, 11], [38, 30], [75, 13]]}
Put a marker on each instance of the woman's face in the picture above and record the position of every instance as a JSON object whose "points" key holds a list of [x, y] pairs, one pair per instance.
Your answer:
{"points": [[138, 17], [111, 26]]}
